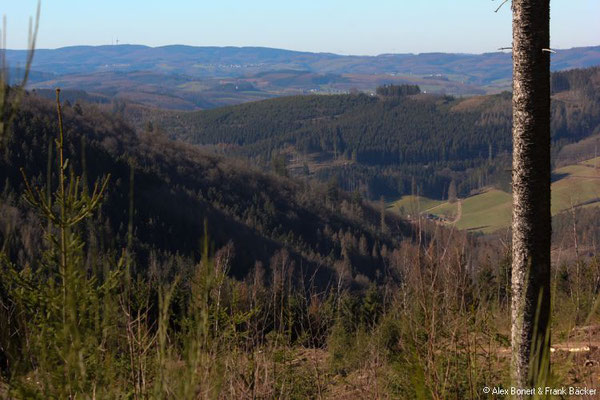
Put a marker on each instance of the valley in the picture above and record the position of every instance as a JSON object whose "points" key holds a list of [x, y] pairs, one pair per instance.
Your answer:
{"points": [[183, 222]]}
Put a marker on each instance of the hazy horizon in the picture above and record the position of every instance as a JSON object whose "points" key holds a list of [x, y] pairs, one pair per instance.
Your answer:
{"points": [[283, 49], [344, 28]]}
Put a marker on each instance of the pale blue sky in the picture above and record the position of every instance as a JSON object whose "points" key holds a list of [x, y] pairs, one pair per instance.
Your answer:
{"points": [[339, 26]]}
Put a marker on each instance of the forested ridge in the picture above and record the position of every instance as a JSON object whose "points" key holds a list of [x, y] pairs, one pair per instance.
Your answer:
{"points": [[388, 141], [176, 189]]}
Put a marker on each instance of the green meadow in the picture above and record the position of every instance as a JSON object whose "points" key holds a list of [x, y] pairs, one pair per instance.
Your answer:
{"points": [[576, 185]]}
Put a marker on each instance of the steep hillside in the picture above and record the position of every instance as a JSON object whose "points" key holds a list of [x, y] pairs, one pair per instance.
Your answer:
{"points": [[176, 189]]}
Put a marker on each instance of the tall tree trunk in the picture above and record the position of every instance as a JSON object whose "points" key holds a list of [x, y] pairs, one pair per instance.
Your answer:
{"points": [[531, 226]]}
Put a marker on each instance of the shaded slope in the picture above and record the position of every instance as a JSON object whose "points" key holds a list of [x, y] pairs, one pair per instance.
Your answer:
{"points": [[177, 187]]}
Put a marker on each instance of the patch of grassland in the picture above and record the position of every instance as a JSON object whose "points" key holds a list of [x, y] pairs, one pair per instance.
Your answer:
{"points": [[592, 162], [486, 212], [413, 204], [577, 185], [445, 210]]}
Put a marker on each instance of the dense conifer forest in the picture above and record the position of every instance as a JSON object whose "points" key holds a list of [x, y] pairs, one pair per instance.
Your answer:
{"points": [[390, 144]]}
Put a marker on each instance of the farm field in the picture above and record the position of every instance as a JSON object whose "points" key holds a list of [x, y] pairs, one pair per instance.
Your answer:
{"points": [[576, 185]]}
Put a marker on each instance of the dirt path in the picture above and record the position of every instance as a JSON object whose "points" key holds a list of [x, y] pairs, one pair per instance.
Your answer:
{"points": [[458, 213]]}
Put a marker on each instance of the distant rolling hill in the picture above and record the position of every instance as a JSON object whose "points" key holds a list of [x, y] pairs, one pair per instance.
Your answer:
{"points": [[184, 75], [172, 91], [241, 61]]}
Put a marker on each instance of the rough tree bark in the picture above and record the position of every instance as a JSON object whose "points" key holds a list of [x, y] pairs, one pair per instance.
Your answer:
{"points": [[531, 226]]}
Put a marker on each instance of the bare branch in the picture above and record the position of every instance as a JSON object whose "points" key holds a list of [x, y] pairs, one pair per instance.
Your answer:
{"points": [[500, 6]]}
